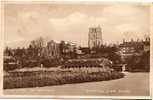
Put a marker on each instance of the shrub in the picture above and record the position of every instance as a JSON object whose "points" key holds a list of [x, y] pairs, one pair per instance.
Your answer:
{"points": [[50, 62], [46, 78], [10, 66]]}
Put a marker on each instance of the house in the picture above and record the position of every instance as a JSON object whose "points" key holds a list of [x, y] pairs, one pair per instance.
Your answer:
{"points": [[129, 48], [52, 50]]}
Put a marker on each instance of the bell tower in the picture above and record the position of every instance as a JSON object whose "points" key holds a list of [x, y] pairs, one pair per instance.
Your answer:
{"points": [[94, 37]]}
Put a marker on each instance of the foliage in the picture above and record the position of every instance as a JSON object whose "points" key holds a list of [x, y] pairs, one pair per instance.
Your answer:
{"points": [[9, 67], [50, 62], [48, 78], [10, 64], [109, 52], [7, 51], [139, 63]]}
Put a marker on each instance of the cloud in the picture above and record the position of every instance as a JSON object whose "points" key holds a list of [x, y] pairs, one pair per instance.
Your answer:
{"points": [[71, 23], [75, 26], [120, 10], [76, 18], [128, 28]]}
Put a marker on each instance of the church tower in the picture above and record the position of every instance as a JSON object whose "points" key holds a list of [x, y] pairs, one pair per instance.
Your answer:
{"points": [[95, 37]]}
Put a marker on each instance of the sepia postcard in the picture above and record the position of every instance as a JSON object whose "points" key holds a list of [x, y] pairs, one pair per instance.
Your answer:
{"points": [[76, 49]]}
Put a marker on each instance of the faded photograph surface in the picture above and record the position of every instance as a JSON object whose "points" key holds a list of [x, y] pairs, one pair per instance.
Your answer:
{"points": [[78, 49]]}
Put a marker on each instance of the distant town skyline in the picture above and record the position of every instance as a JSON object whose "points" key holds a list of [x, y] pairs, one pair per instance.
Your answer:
{"points": [[71, 22]]}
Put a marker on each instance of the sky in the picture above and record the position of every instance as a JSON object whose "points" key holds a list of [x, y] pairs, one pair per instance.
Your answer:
{"points": [[71, 22]]}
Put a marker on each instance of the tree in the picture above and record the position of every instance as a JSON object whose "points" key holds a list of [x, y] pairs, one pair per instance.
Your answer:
{"points": [[40, 42], [20, 52], [113, 56], [139, 63], [62, 47], [37, 43], [37, 46], [145, 61], [7, 52]]}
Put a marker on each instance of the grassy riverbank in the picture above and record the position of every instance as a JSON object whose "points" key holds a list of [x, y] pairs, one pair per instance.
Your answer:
{"points": [[49, 78]]}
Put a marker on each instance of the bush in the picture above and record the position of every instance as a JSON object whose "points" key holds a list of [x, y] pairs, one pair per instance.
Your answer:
{"points": [[10, 66], [50, 62], [48, 78], [139, 63], [30, 63]]}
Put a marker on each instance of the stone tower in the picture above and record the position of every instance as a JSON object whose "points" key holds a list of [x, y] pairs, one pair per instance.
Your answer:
{"points": [[94, 37]]}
